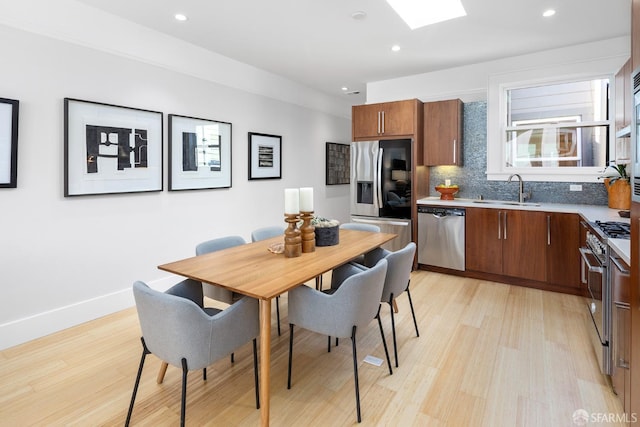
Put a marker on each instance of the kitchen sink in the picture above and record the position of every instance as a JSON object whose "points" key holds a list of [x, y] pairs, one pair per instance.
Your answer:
{"points": [[503, 202]]}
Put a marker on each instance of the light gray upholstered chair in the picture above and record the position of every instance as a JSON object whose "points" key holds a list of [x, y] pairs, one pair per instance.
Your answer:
{"points": [[361, 227], [340, 313], [263, 234], [215, 292], [180, 331], [396, 282]]}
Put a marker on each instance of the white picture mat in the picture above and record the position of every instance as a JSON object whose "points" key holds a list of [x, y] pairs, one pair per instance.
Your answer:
{"points": [[6, 131], [108, 179], [273, 142], [204, 177]]}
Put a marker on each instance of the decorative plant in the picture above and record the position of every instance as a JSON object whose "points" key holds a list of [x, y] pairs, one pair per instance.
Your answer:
{"points": [[615, 172], [321, 222]]}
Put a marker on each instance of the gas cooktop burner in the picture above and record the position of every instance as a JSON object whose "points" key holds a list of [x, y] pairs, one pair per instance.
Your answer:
{"points": [[615, 229]]}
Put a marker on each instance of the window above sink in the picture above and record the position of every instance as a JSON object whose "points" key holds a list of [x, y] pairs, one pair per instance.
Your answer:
{"points": [[550, 128]]}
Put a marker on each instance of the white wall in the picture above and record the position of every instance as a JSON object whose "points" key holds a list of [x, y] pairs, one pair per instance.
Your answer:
{"points": [[64, 261], [471, 82]]}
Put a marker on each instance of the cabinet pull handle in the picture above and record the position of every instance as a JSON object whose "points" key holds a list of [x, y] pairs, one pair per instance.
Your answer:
{"points": [[505, 225], [499, 225], [379, 122], [383, 120], [616, 261], [454, 151], [548, 230], [623, 363]]}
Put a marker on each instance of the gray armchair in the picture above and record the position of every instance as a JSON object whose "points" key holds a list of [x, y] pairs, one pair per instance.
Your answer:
{"points": [[361, 227], [341, 313], [177, 329], [396, 282], [215, 292], [263, 234]]}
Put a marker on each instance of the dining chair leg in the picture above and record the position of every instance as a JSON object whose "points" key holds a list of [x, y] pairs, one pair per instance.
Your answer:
{"points": [[415, 323], [255, 372], [278, 313], [204, 374], [183, 403], [384, 341], [393, 329], [290, 355], [145, 351], [329, 344], [162, 372], [232, 358], [355, 371]]}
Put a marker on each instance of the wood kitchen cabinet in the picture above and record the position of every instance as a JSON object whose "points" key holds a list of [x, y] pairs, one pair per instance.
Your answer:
{"points": [[443, 132], [563, 243], [387, 119], [621, 330], [506, 242]]}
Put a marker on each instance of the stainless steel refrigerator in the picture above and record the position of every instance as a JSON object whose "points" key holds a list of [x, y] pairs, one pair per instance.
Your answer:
{"points": [[381, 187]]}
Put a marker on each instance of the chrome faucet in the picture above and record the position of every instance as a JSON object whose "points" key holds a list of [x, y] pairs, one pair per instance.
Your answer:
{"points": [[522, 196]]}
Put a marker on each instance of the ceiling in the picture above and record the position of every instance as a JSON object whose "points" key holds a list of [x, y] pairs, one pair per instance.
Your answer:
{"points": [[319, 44]]}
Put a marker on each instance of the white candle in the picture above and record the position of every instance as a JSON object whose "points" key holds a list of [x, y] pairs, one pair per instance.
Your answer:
{"points": [[447, 182], [306, 199], [291, 201]]}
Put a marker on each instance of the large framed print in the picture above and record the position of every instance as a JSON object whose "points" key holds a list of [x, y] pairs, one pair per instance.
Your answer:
{"points": [[265, 156], [199, 153], [111, 149], [8, 143], [338, 164]]}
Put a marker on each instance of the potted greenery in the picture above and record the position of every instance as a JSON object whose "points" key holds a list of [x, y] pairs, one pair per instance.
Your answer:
{"points": [[327, 233], [616, 181]]}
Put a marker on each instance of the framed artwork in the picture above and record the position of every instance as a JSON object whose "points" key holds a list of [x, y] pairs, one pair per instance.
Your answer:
{"points": [[265, 156], [111, 149], [8, 143], [199, 153], [338, 164]]}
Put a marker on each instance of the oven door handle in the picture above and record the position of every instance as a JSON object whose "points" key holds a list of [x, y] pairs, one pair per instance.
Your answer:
{"points": [[594, 267]]}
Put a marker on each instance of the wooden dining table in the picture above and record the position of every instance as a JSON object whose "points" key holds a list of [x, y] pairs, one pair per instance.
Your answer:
{"points": [[253, 270]]}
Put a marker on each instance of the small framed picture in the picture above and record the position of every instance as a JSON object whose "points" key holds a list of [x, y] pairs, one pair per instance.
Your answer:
{"points": [[265, 156], [199, 153], [8, 143], [338, 164], [111, 149]]}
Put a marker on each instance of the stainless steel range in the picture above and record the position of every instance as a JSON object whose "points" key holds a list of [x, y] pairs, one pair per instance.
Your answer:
{"points": [[595, 274]]}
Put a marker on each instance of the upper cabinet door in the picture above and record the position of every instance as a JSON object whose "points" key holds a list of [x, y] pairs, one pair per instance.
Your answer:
{"points": [[387, 119], [443, 133]]}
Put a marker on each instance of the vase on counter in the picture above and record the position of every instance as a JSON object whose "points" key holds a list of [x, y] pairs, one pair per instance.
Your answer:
{"points": [[619, 193]]}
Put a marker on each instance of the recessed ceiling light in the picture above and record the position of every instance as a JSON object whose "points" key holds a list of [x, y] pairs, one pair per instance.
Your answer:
{"points": [[344, 88], [418, 13], [395, 48], [180, 17], [548, 13], [359, 15]]}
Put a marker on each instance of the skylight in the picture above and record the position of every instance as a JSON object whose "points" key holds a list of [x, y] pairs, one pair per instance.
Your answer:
{"points": [[418, 13]]}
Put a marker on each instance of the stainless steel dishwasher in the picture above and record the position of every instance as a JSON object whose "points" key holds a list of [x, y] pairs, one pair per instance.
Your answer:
{"points": [[441, 237]]}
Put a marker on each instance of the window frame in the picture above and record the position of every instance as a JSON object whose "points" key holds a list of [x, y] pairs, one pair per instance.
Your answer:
{"points": [[497, 130]]}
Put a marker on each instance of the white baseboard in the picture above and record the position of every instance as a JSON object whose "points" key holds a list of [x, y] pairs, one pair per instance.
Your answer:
{"points": [[39, 325]]}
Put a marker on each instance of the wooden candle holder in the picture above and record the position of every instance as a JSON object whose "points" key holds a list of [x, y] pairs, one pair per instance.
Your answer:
{"points": [[292, 239], [308, 232]]}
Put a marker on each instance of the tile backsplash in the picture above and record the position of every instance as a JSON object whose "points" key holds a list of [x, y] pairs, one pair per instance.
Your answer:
{"points": [[471, 176]]}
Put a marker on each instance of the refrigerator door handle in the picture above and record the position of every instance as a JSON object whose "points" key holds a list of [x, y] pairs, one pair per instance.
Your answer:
{"points": [[378, 183]]}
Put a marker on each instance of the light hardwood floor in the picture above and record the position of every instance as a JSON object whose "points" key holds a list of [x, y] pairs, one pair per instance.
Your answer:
{"points": [[488, 354]]}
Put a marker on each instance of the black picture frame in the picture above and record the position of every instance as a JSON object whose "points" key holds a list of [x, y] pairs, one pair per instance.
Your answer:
{"points": [[9, 142], [265, 156], [111, 149], [337, 164], [199, 153]]}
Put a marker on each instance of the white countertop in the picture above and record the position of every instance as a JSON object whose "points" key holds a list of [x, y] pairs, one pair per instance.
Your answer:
{"points": [[590, 213]]}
